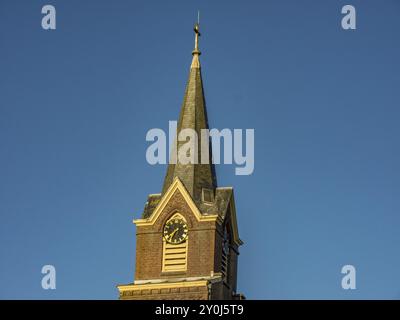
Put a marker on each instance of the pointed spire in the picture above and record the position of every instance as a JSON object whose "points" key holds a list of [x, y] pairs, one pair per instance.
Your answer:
{"points": [[193, 115]]}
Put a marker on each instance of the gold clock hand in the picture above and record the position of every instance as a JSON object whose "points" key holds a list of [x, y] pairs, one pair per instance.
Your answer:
{"points": [[173, 233]]}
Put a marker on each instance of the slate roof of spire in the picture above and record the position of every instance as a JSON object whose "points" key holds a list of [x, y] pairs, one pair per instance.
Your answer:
{"points": [[194, 177], [193, 115]]}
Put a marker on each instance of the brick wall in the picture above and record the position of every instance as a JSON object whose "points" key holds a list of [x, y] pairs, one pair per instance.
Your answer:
{"points": [[201, 246]]}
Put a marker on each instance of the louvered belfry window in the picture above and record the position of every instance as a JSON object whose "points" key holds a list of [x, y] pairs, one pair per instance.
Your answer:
{"points": [[225, 253]]}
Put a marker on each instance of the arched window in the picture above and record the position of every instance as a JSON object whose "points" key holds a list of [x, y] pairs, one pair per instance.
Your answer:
{"points": [[175, 244]]}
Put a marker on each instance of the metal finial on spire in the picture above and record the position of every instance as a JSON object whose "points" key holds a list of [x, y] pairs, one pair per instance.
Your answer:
{"points": [[196, 52], [196, 40]]}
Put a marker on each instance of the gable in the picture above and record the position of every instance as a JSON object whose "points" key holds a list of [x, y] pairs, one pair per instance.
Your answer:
{"points": [[231, 216], [163, 202], [221, 210]]}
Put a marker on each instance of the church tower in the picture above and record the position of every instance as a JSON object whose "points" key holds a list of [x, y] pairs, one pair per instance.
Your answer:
{"points": [[187, 241]]}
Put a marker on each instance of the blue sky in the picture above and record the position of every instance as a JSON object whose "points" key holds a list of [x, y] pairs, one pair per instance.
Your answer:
{"points": [[76, 104]]}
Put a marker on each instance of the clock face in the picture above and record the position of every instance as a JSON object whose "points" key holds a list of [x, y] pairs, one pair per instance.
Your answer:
{"points": [[175, 231]]}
